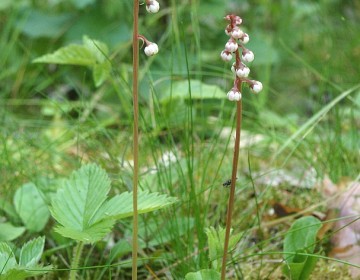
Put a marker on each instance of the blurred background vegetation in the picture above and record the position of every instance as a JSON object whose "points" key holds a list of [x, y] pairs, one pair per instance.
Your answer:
{"points": [[53, 117]]}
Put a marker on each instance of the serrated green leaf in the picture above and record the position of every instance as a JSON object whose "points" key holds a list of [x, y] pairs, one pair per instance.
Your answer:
{"points": [[10, 232], [7, 258], [31, 207], [97, 48], [121, 206], [79, 200], [72, 54], [31, 252], [81, 208], [91, 234], [204, 274], [199, 90]]}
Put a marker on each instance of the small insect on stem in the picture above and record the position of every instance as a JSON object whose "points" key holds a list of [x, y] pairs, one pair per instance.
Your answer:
{"points": [[227, 183]]}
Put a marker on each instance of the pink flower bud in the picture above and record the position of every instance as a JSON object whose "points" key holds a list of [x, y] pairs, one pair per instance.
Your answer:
{"points": [[231, 45], [238, 20], [237, 33], [226, 56], [243, 71], [247, 56], [228, 30], [256, 86], [245, 38], [234, 95]]}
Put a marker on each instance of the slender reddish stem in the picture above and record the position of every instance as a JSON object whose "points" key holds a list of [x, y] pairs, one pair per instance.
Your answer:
{"points": [[135, 47], [232, 187]]}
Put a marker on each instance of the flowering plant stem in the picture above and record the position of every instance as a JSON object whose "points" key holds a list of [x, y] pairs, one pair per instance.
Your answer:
{"points": [[232, 187], [135, 47]]}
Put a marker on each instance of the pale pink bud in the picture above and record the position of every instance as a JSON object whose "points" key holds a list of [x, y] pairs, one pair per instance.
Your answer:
{"points": [[237, 33], [151, 49], [153, 6], [231, 45], [234, 95], [256, 86], [238, 20], [226, 56], [228, 30], [247, 56], [245, 38], [243, 71]]}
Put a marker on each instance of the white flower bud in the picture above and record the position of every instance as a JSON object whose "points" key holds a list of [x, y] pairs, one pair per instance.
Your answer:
{"points": [[226, 56], [151, 49], [243, 72], [153, 6], [256, 86], [237, 33], [231, 46], [247, 56], [234, 95], [245, 38], [237, 96]]}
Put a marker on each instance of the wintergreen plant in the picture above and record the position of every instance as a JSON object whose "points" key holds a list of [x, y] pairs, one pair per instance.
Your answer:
{"points": [[236, 42], [27, 263], [152, 6], [85, 213]]}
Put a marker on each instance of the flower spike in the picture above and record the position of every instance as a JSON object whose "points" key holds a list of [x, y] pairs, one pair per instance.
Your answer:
{"points": [[237, 40]]}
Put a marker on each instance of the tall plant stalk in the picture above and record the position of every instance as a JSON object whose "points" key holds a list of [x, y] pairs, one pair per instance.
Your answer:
{"points": [[233, 46], [135, 47], [232, 186]]}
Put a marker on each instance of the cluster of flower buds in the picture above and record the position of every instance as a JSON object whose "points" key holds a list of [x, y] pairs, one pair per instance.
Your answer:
{"points": [[237, 40], [152, 6]]}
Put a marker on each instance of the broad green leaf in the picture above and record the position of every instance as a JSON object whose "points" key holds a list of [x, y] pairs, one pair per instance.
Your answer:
{"points": [[204, 274], [31, 207], [199, 90], [9, 232], [84, 214], [71, 54], [300, 238], [31, 252], [7, 258]]}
